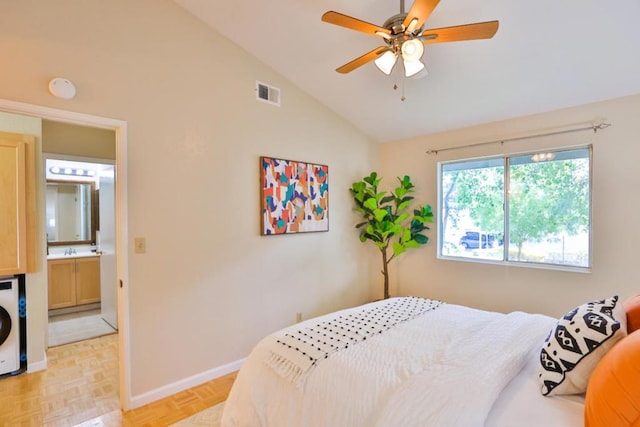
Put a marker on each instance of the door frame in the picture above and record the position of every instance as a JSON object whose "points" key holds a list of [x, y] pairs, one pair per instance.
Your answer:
{"points": [[122, 232]]}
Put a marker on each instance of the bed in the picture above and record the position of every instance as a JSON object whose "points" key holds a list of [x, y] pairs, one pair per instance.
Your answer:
{"points": [[427, 363]]}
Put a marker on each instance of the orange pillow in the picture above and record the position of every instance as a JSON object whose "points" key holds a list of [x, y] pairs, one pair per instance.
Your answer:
{"points": [[632, 307], [613, 393]]}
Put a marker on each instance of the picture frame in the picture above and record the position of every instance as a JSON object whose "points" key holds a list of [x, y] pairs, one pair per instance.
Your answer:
{"points": [[294, 196]]}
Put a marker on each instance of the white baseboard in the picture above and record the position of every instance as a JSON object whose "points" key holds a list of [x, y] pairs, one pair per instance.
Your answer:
{"points": [[37, 366], [183, 384]]}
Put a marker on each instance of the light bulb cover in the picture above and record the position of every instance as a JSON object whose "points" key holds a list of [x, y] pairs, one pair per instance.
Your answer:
{"points": [[412, 50], [386, 62], [411, 68]]}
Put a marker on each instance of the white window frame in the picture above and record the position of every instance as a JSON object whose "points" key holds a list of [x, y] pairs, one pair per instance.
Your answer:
{"points": [[505, 259]]}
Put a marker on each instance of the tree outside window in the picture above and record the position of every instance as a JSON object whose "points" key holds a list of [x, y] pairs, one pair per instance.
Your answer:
{"points": [[532, 208]]}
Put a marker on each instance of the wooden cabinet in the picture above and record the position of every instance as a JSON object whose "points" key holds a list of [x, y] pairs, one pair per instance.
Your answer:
{"points": [[13, 227], [87, 280], [62, 283], [17, 204], [73, 281]]}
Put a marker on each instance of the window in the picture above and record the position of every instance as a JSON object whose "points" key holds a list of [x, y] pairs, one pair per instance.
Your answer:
{"points": [[528, 209]]}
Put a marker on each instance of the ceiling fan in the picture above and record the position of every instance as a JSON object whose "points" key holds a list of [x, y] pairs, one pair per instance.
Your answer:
{"points": [[404, 37]]}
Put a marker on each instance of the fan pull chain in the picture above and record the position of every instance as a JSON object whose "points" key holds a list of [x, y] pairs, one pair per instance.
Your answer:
{"points": [[395, 87], [402, 98]]}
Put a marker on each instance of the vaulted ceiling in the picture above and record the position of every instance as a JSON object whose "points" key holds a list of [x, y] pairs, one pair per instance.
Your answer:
{"points": [[545, 56]]}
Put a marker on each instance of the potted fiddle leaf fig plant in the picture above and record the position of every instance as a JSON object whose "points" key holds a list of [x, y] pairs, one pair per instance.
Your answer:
{"points": [[387, 220]]}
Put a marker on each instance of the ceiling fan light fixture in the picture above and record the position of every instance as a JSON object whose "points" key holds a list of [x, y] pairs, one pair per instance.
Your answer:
{"points": [[412, 50], [411, 68], [386, 62]]}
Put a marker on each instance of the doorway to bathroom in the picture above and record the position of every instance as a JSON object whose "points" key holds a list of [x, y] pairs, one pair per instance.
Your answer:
{"points": [[80, 233]]}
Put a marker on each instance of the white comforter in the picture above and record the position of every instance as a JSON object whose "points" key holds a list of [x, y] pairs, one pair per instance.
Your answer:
{"points": [[443, 368]]}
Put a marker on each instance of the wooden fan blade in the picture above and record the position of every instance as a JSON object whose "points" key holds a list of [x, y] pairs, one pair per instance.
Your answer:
{"points": [[421, 9], [358, 62], [354, 24], [480, 30]]}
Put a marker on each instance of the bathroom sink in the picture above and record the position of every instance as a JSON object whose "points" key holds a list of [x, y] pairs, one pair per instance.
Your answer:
{"points": [[76, 255]]}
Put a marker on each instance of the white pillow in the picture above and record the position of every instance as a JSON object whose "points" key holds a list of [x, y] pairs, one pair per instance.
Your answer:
{"points": [[576, 344]]}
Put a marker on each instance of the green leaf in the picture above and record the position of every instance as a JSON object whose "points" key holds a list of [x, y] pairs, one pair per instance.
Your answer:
{"points": [[371, 179], [417, 226], [387, 199], [380, 214], [363, 237], [362, 224], [371, 204], [358, 187], [369, 192], [412, 244], [401, 218], [387, 234], [398, 248], [379, 195], [421, 238], [406, 236], [402, 206], [373, 237], [400, 192], [425, 212]]}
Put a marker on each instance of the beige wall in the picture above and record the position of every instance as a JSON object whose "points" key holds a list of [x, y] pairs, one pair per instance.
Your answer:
{"points": [[616, 177], [209, 286], [36, 283], [81, 141]]}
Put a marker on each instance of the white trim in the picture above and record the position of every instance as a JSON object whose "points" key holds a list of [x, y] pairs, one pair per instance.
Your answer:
{"points": [[184, 384], [38, 366], [122, 265], [80, 159]]}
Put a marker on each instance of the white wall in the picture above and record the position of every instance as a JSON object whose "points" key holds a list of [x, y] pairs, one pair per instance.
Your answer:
{"points": [[36, 283], [209, 286], [616, 179]]}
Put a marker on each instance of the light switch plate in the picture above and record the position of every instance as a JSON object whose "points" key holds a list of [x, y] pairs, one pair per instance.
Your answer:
{"points": [[140, 245]]}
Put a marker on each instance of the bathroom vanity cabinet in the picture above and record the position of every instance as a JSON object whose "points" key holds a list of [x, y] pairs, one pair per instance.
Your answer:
{"points": [[73, 281]]}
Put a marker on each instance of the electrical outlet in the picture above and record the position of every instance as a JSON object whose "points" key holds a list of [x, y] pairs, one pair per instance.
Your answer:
{"points": [[298, 317], [140, 245]]}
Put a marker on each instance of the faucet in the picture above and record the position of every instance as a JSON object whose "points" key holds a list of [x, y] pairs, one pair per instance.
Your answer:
{"points": [[70, 251]]}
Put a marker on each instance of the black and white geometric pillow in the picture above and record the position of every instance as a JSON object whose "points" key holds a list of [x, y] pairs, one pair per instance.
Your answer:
{"points": [[576, 344]]}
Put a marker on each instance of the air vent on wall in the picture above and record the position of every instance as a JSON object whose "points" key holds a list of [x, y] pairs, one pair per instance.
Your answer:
{"points": [[267, 93]]}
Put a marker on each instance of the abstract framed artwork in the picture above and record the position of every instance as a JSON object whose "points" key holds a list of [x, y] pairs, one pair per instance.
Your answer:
{"points": [[294, 196]]}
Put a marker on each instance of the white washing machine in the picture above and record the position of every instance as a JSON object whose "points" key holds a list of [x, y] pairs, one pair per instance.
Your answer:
{"points": [[9, 326]]}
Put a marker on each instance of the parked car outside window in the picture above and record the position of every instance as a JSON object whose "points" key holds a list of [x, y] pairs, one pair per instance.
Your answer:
{"points": [[471, 240]]}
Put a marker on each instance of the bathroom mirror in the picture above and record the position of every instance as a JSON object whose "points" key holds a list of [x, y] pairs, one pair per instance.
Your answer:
{"points": [[71, 212]]}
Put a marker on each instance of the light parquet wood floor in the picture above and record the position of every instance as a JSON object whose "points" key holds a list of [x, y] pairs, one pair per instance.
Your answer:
{"points": [[80, 388]]}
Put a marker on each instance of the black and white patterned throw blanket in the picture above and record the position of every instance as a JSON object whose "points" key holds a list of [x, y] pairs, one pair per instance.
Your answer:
{"points": [[294, 354]]}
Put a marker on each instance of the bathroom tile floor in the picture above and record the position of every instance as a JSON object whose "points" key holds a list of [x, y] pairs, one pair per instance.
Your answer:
{"points": [[68, 328]]}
